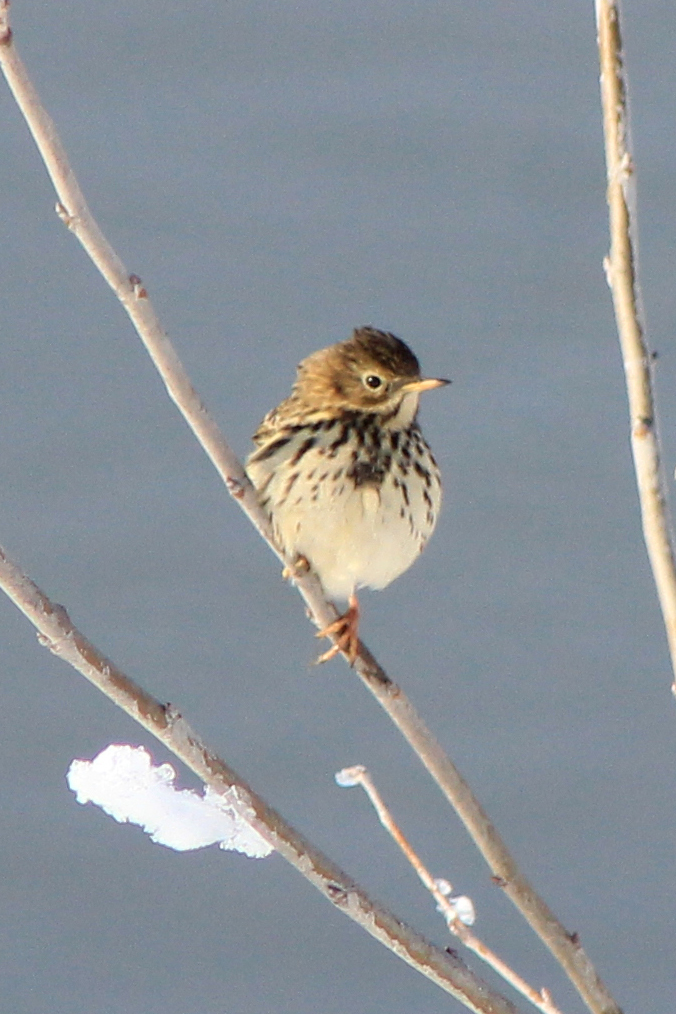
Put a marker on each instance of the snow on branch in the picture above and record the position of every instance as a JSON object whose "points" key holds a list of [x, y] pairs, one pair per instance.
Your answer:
{"points": [[57, 632], [124, 782]]}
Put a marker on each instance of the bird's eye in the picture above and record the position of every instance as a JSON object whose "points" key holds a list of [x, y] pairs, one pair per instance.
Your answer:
{"points": [[373, 381]]}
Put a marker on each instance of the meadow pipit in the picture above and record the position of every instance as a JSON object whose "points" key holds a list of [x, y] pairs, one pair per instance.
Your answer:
{"points": [[344, 472]]}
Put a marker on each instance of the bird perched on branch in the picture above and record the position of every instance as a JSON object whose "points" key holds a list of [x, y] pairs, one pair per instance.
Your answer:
{"points": [[345, 474]]}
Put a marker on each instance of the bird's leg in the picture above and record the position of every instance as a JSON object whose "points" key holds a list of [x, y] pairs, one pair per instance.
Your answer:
{"points": [[346, 631]]}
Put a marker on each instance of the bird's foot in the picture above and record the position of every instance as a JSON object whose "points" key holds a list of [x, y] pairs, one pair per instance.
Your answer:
{"points": [[346, 632]]}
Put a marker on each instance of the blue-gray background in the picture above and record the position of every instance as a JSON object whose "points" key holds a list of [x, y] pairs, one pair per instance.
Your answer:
{"points": [[277, 173]]}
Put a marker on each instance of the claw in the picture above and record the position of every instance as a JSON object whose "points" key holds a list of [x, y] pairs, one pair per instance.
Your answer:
{"points": [[297, 568], [346, 632]]}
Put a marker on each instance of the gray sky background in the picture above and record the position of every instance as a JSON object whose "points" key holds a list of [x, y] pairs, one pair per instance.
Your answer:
{"points": [[278, 173]]}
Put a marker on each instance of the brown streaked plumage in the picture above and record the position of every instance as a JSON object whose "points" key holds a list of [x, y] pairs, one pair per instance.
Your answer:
{"points": [[343, 470]]}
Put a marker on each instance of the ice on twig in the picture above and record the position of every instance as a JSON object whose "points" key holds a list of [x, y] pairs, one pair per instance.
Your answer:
{"points": [[443, 886], [349, 777], [123, 781], [462, 906]]}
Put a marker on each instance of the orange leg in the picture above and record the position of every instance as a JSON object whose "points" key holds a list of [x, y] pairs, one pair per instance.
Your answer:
{"points": [[346, 632]]}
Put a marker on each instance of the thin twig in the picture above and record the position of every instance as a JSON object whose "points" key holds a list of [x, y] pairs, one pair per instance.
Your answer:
{"points": [[622, 274], [359, 775], [134, 297], [57, 632]]}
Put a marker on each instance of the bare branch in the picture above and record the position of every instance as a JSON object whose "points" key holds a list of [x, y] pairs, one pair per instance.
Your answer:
{"points": [[132, 294], [621, 272], [359, 775]]}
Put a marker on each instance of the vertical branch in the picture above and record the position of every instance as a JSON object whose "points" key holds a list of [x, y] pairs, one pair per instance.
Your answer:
{"points": [[621, 272]]}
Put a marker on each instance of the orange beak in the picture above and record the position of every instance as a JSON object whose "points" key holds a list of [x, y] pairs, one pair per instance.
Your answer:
{"points": [[416, 386]]}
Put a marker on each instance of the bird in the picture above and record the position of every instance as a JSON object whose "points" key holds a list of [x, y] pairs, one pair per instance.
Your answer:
{"points": [[343, 471]]}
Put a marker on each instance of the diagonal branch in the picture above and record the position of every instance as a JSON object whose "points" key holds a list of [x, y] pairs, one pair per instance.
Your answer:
{"points": [[57, 632], [130, 291], [621, 271]]}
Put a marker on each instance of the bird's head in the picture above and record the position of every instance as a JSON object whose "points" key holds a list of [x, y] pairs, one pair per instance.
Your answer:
{"points": [[373, 372]]}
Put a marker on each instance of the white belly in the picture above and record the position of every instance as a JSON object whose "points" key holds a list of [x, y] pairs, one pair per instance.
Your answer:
{"points": [[357, 541], [353, 536]]}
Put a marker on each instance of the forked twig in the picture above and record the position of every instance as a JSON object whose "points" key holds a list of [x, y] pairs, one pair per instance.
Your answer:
{"points": [[133, 296], [622, 275], [359, 775]]}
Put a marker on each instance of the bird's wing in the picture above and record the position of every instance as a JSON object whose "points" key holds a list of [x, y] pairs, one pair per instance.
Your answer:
{"points": [[267, 428]]}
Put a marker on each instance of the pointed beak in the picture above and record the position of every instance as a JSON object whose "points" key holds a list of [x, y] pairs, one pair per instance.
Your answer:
{"points": [[416, 386]]}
